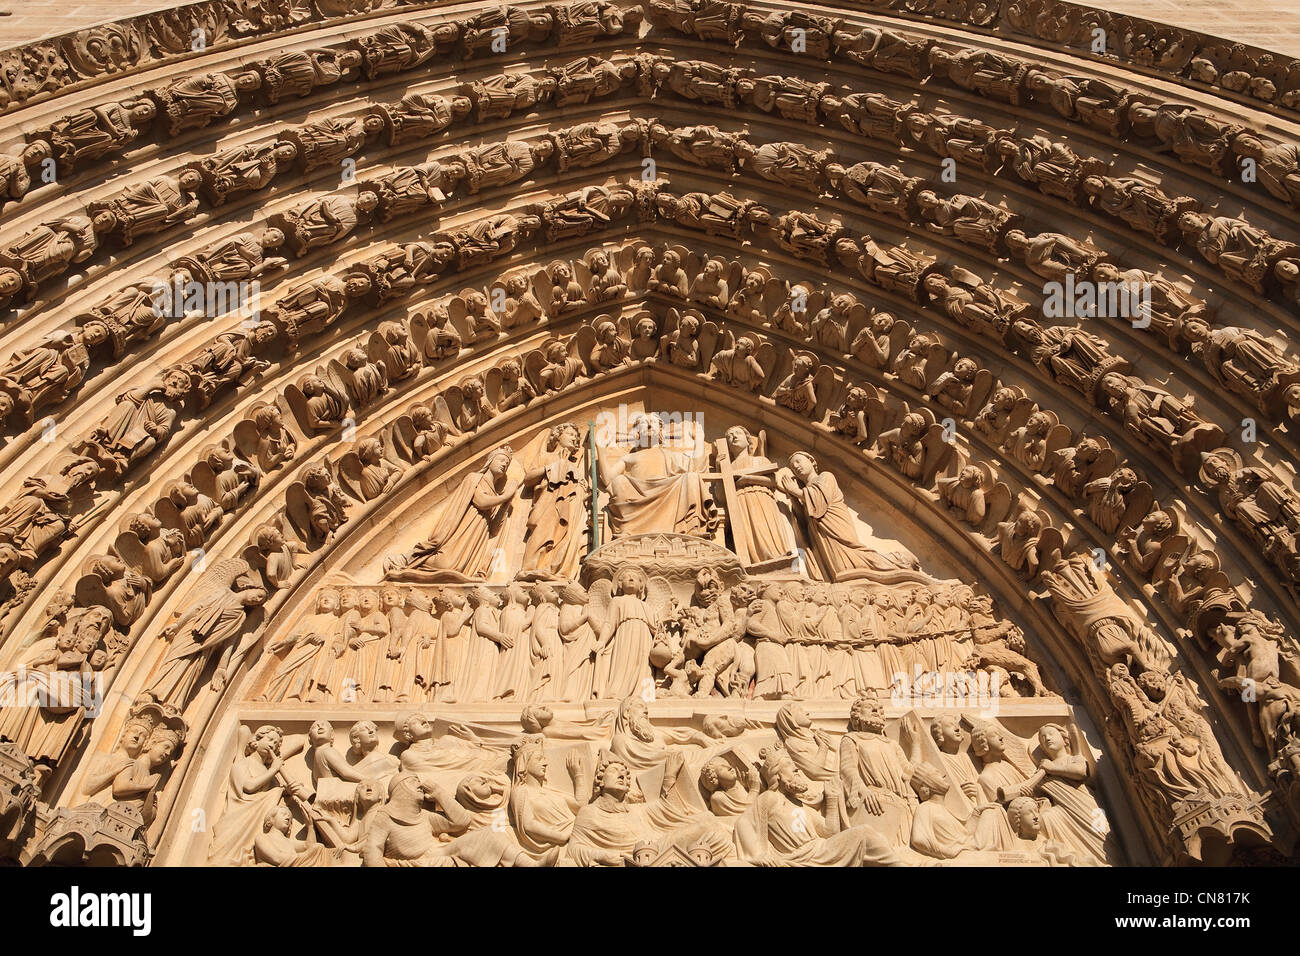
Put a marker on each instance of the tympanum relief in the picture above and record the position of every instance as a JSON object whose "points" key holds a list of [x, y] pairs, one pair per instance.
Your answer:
{"points": [[618, 787], [597, 562]]}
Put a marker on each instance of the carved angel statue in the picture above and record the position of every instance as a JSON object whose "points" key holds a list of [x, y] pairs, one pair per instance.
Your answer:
{"points": [[558, 517], [209, 631], [832, 528], [628, 622]]}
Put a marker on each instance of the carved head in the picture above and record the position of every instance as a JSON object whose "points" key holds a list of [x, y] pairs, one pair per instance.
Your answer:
{"points": [[708, 586], [912, 427], [738, 440], [717, 774], [363, 736], [391, 597], [614, 779], [408, 728], [631, 581], [267, 420], [929, 781], [277, 818], [1155, 684], [528, 761], [804, 466], [482, 597], [320, 733], [647, 431], [1038, 425], [1025, 818], [947, 733], [265, 742], [1055, 739], [1217, 469], [867, 715], [498, 463], [92, 333], [176, 384], [987, 742], [779, 772], [534, 718]]}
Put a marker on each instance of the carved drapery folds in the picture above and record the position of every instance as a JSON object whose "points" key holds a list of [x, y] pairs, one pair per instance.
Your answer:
{"points": [[447, 357]]}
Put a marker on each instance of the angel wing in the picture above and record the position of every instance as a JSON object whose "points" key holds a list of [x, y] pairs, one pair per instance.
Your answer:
{"points": [[826, 386], [399, 441], [130, 549], [216, 582], [1052, 542], [297, 508], [981, 388], [691, 262], [767, 357], [599, 596], [997, 504], [341, 378], [659, 598], [583, 342], [1059, 437], [349, 475], [708, 342], [1139, 502], [165, 510], [775, 292], [939, 452], [297, 402]]}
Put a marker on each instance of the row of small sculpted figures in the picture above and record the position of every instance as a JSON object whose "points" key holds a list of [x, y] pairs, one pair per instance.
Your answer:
{"points": [[1206, 59], [45, 67], [964, 790], [1054, 167], [553, 641], [197, 100], [326, 523]]}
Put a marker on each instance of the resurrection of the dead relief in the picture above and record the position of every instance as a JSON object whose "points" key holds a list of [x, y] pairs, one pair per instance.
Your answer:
{"points": [[819, 445]]}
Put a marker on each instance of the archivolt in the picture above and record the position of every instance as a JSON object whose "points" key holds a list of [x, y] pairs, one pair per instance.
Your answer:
{"points": [[844, 265]]}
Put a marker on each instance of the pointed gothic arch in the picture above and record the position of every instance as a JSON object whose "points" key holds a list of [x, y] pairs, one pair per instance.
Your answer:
{"points": [[1140, 541]]}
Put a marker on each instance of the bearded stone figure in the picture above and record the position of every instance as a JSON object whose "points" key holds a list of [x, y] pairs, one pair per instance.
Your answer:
{"points": [[655, 488], [458, 549]]}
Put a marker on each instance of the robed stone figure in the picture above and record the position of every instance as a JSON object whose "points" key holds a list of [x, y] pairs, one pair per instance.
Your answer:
{"points": [[458, 549]]}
